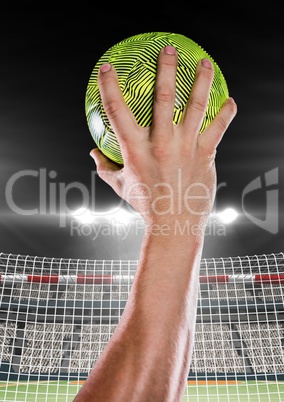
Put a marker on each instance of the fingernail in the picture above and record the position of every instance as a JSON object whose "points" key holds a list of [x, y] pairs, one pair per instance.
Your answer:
{"points": [[170, 50], [206, 63], [105, 67]]}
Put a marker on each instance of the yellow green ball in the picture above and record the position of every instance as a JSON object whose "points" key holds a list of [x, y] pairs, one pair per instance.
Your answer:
{"points": [[135, 60]]}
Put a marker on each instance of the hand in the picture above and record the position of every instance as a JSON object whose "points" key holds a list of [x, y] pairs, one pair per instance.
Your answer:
{"points": [[168, 176], [169, 170]]}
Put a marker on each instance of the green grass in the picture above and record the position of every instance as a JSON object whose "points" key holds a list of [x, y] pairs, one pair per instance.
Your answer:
{"points": [[43, 391], [242, 392], [63, 391]]}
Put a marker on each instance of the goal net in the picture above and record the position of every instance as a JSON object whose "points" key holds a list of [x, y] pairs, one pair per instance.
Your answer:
{"points": [[57, 315]]}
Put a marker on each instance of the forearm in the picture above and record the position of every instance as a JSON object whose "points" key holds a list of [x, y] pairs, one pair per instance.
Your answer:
{"points": [[153, 341], [163, 309]]}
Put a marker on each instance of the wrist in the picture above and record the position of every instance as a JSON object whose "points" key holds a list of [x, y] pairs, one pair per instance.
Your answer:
{"points": [[177, 244], [177, 228]]}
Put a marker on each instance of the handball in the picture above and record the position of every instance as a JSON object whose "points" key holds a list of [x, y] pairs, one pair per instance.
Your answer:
{"points": [[135, 61]]}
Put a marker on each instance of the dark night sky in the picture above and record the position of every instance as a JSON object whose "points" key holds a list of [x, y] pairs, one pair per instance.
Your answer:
{"points": [[47, 56]]}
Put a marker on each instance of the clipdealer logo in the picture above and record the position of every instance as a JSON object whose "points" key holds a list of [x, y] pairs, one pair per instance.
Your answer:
{"points": [[271, 221], [52, 196]]}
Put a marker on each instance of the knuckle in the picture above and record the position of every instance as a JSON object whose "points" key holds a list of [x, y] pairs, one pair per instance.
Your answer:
{"points": [[222, 124], [161, 152], [112, 108], [163, 95], [207, 151], [168, 61], [100, 173], [198, 105]]}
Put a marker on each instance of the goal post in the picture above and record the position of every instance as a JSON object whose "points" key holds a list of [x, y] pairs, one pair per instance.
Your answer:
{"points": [[58, 314]]}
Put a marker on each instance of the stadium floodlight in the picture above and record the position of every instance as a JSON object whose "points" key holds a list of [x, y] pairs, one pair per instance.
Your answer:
{"points": [[116, 216], [228, 215], [84, 215]]}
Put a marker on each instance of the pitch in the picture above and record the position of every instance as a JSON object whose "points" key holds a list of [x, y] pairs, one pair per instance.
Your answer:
{"points": [[63, 391]]}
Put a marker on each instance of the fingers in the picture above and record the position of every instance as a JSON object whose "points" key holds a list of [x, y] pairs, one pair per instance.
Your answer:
{"points": [[213, 134], [123, 121], [119, 115], [107, 170], [199, 96], [165, 89]]}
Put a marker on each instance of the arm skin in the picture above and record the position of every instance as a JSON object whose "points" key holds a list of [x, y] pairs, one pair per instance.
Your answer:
{"points": [[169, 177]]}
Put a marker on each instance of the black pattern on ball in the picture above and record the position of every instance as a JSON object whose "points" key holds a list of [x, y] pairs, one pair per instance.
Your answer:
{"points": [[135, 60]]}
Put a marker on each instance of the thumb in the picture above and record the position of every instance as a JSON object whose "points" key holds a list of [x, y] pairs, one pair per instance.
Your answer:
{"points": [[107, 170]]}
